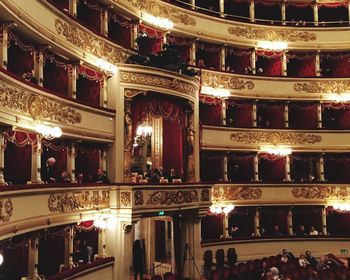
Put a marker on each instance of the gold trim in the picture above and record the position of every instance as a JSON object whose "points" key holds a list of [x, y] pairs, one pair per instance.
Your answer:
{"points": [[173, 197], [125, 199], [320, 192], [236, 193], [8, 208], [221, 80], [323, 87]]}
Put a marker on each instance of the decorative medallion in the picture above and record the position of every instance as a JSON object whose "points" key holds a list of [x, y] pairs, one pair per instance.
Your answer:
{"points": [[6, 210], [70, 201], [225, 81], [205, 195], [236, 193], [38, 107], [320, 192], [172, 197], [158, 10], [158, 81], [125, 199], [138, 196], [274, 138], [90, 43], [254, 33], [323, 86]]}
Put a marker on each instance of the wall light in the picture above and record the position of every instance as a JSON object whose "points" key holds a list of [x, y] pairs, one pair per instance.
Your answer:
{"points": [[276, 150], [342, 206], [48, 132], [221, 209], [106, 66], [105, 222], [1, 259], [218, 92], [163, 23], [272, 45], [339, 97]]}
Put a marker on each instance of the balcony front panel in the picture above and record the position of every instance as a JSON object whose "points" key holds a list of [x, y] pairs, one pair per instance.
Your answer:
{"points": [[243, 139]]}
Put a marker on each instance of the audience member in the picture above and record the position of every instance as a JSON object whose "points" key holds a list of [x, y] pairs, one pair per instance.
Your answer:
{"points": [[234, 232], [101, 177], [173, 175], [276, 231], [262, 272], [155, 176], [161, 173], [322, 264], [80, 178], [86, 252], [64, 178], [301, 231], [137, 259], [303, 261], [313, 231], [284, 258], [310, 258], [314, 276], [48, 172]]}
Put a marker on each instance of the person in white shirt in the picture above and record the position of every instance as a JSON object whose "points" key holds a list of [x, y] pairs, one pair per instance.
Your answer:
{"points": [[313, 231], [302, 261]]}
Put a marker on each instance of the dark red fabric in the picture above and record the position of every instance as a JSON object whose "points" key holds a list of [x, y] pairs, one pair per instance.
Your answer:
{"points": [[335, 65], [87, 162], [91, 238], [237, 8], [268, 66], [160, 245], [301, 65], [338, 223], [239, 114], [303, 116], [15, 265], [336, 167], [273, 216], [211, 166], [336, 117], [18, 161], [270, 115], [299, 11], [90, 17], [268, 10], [243, 218], [209, 54], [149, 45], [151, 32], [303, 167], [240, 167], [210, 114], [119, 31], [212, 227], [183, 46], [329, 12], [88, 91], [238, 61], [61, 4], [307, 216], [60, 157], [56, 78], [211, 5], [271, 168], [19, 61]]}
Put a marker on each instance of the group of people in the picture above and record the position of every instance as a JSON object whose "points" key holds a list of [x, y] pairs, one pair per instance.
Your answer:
{"points": [[157, 174], [82, 252], [49, 170]]}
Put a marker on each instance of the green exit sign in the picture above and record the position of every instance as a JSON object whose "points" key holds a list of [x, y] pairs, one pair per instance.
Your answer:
{"points": [[344, 251], [161, 213]]}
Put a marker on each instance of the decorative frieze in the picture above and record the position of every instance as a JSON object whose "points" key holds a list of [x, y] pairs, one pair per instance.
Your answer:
{"points": [[321, 192], [172, 197], [138, 196], [6, 210], [323, 86], [125, 199], [227, 81], [235, 193]]}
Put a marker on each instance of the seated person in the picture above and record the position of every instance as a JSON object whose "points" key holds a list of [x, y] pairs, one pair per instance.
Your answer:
{"points": [[173, 175], [64, 178], [101, 177], [29, 77], [322, 264], [310, 258], [234, 232], [303, 261], [313, 231], [301, 231], [276, 231], [80, 178], [155, 176], [284, 258]]}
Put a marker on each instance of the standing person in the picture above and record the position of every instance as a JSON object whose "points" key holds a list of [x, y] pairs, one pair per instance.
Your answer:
{"points": [[48, 174], [137, 259]]}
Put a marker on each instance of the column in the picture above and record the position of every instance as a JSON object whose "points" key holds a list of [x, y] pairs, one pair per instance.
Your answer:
{"points": [[319, 115], [36, 161], [68, 242], [165, 39], [72, 82], [222, 8], [287, 169], [225, 169], [286, 115], [252, 11], [254, 115], [223, 112], [2, 158], [349, 14], [103, 92], [257, 222], [284, 64], [283, 13], [321, 168], [104, 22], [193, 54], [256, 167], [318, 64], [73, 7], [324, 221], [33, 254], [290, 223], [103, 160], [315, 6], [225, 225], [253, 62], [223, 58], [71, 155], [4, 40], [39, 66], [102, 243], [193, 4], [134, 32]]}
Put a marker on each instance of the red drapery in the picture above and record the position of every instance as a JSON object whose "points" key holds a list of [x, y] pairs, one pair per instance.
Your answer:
{"points": [[336, 115], [89, 13], [15, 262], [303, 116], [182, 45], [210, 114], [243, 218], [273, 216], [238, 60], [270, 115], [207, 55], [299, 12], [61, 4], [91, 238], [151, 40], [269, 63], [307, 216], [211, 227], [87, 161], [333, 11], [58, 150], [303, 167], [301, 64], [89, 85], [211, 166], [268, 10], [336, 167], [237, 8], [239, 114], [240, 167], [210, 5], [338, 223], [160, 246], [119, 30], [335, 64], [271, 167]]}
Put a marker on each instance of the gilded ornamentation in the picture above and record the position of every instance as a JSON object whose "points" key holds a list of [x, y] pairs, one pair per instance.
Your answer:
{"points": [[225, 81], [36, 106], [323, 86], [154, 8], [205, 195], [138, 195], [320, 192], [172, 197], [125, 199], [130, 93], [70, 201], [236, 193], [90, 43], [6, 210], [158, 81], [275, 138], [254, 33]]}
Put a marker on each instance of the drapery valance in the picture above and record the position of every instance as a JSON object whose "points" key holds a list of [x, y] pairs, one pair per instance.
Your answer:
{"points": [[210, 100], [151, 32], [90, 74], [21, 138], [20, 42], [57, 60]]}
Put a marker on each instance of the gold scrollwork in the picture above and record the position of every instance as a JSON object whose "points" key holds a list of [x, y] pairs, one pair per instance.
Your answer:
{"points": [[205, 195], [138, 195], [70, 201], [275, 138], [6, 210], [236, 193], [321, 192], [225, 81], [271, 35], [89, 42], [125, 199], [323, 87], [172, 197], [36, 106]]}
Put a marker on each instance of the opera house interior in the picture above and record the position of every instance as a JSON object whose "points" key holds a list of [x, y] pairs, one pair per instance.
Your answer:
{"points": [[175, 139]]}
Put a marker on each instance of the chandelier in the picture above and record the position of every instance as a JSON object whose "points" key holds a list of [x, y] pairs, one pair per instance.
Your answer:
{"points": [[343, 206], [221, 209], [276, 150], [163, 23], [105, 222], [48, 132]]}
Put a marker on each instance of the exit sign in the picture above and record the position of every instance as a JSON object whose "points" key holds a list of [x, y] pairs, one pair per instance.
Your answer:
{"points": [[344, 251]]}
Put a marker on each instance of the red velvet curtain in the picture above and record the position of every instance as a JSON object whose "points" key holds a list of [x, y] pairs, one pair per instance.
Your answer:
{"points": [[211, 227], [149, 40], [336, 116], [303, 116], [208, 55], [268, 10], [90, 236], [301, 64], [89, 86], [238, 60], [160, 236], [269, 63], [183, 46], [243, 218], [240, 167], [211, 166], [335, 64], [271, 168], [299, 12], [273, 216], [208, 5], [338, 223], [328, 12], [270, 115], [307, 216], [239, 114], [237, 8], [61, 4], [336, 167], [210, 114], [87, 161], [57, 150], [304, 167], [119, 30], [89, 13]]}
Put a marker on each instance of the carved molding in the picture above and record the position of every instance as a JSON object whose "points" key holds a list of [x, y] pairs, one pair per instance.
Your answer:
{"points": [[323, 86], [6, 210], [205, 195], [254, 33], [138, 196], [275, 138], [125, 199], [90, 43], [155, 9], [70, 201], [236, 193], [321, 192], [216, 80], [158, 81], [38, 107], [172, 197], [130, 93]]}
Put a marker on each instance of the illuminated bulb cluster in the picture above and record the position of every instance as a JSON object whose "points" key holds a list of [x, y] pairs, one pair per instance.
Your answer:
{"points": [[272, 45], [107, 222], [341, 206], [218, 92], [106, 66], [163, 23], [221, 209], [144, 130], [48, 132], [341, 97], [276, 150]]}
